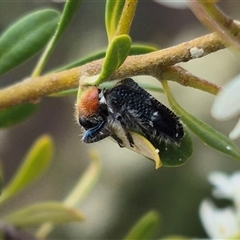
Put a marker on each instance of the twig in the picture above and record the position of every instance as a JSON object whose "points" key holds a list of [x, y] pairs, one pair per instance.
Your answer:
{"points": [[185, 78], [32, 89]]}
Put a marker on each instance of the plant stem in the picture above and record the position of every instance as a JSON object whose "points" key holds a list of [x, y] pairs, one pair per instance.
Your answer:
{"points": [[183, 77], [32, 89], [70, 10]]}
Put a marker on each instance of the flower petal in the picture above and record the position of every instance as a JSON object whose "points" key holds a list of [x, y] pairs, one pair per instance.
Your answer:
{"points": [[227, 187], [218, 224], [174, 4], [222, 184], [235, 133], [227, 103], [235, 183]]}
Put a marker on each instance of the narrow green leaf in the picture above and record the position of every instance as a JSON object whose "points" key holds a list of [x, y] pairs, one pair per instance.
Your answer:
{"points": [[65, 93], [34, 164], [82, 61], [116, 54], [145, 227], [69, 12], [26, 37], [205, 132], [40, 213], [17, 114], [137, 49], [112, 15], [176, 155], [151, 87], [134, 50], [210, 136]]}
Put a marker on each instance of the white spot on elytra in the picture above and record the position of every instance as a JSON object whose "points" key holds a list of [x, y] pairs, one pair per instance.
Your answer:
{"points": [[196, 52]]}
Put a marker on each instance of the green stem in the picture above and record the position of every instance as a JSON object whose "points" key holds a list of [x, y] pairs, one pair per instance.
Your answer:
{"points": [[125, 22], [43, 59], [70, 10]]}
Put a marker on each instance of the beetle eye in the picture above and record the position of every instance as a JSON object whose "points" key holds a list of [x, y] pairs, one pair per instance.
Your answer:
{"points": [[86, 123]]}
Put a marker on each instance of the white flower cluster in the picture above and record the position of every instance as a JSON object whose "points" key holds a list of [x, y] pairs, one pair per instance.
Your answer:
{"points": [[222, 223]]}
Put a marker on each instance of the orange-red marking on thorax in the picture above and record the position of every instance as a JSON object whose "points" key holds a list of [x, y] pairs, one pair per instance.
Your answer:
{"points": [[89, 102]]}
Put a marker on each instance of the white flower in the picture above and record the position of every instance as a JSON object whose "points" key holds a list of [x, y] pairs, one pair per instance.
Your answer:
{"points": [[222, 223], [219, 224], [226, 186], [227, 105], [235, 133], [174, 3]]}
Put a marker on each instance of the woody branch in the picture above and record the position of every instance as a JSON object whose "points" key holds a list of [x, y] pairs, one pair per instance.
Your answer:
{"points": [[155, 63]]}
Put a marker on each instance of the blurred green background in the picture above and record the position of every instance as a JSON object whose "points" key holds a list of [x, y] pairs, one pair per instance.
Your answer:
{"points": [[129, 185]]}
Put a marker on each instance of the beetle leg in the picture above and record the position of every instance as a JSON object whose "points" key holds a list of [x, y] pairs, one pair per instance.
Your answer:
{"points": [[119, 118], [118, 140]]}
